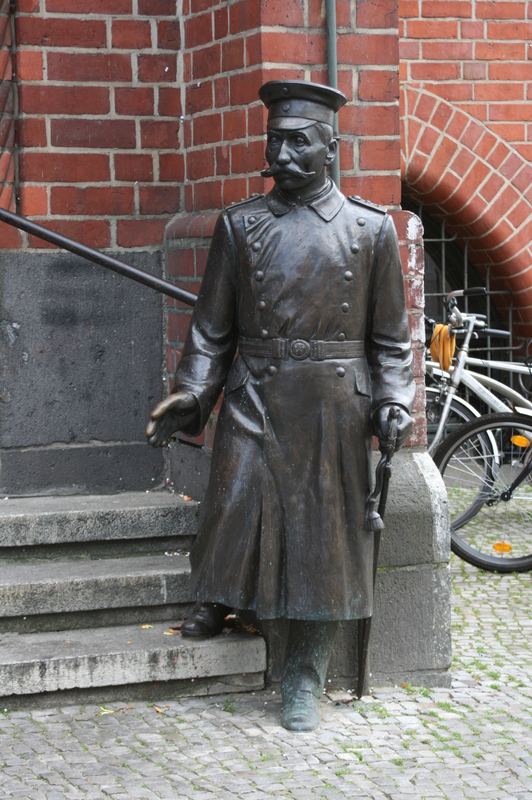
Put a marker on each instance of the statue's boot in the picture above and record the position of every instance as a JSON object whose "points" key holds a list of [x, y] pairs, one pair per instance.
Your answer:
{"points": [[206, 619], [309, 648]]}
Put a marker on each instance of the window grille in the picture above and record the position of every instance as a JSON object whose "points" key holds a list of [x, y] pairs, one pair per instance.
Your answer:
{"points": [[448, 267]]}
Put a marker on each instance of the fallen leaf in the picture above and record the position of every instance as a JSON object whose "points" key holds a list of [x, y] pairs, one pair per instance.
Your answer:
{"points": [[340, 696], [103, 711], [146, 627], [169, 632]]}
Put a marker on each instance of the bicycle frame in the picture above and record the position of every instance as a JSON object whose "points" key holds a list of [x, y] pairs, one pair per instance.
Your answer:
{"points": [[504, 366], [482, 386]]}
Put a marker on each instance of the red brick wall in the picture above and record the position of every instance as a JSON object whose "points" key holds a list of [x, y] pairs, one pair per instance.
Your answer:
{"points": [[99, 118], [7, 112], [105, 142], [467, 130], [230, 49], [473, 54]]}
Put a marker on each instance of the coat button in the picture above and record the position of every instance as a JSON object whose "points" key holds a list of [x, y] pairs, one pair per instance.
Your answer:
{"points": [[355, 248], [264, 333], [261, 304], [348, 275], [361, 221], [345, 307], [272, 369], [341, 337], [256, 246], [259, 275], [340, 371]]}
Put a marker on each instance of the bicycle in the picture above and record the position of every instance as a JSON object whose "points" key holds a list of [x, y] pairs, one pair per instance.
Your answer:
{"points": [[446, 410], [486, 465]]}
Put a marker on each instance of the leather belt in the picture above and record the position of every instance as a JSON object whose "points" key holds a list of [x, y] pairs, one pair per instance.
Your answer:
{"points": [[300, 349]]}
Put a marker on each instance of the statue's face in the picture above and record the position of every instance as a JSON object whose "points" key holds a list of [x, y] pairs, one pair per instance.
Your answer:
{"points": [[298, 158]]}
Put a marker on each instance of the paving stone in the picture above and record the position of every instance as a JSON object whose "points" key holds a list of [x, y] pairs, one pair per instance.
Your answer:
{"points": [[466, 742]]}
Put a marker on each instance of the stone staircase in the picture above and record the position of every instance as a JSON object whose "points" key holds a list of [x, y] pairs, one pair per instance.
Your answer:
{"points": [[91, 588]]}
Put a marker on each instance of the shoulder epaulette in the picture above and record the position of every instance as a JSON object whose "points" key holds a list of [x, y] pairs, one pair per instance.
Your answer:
{"points": [[251, 199], [367, 203]]}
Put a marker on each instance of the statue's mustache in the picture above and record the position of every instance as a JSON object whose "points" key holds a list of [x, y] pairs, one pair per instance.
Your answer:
{"points": [[276, 169]]}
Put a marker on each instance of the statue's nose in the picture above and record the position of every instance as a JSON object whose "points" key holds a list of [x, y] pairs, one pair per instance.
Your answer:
{"points": [[284, 155]]}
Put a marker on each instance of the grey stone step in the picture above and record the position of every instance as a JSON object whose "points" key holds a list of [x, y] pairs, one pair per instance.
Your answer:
{"points": [[31, 521], [56, 587], [125, 655]]}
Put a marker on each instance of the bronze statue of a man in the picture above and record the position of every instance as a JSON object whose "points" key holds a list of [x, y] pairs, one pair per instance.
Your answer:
{"points": [[301, 321]]}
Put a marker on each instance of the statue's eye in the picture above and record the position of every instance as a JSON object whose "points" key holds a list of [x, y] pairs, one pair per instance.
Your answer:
{"points": [[273, 140], [300, 141]]}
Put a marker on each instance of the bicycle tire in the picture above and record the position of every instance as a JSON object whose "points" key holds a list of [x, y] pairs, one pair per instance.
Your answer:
{"points": [[459, 413], [478, 463]]}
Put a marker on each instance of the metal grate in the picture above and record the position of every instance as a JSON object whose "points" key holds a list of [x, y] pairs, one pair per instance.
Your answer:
{"points": [[448, 267]]}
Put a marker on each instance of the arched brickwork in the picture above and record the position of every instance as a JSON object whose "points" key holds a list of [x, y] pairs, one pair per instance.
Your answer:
{"points": [[466, 173]]}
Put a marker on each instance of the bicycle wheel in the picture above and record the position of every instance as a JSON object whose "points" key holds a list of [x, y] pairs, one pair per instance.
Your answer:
{"points": [[459, 413], [487, 469]]}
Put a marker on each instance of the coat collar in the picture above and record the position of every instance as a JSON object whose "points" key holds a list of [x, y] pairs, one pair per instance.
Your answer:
{"points": [[327, 204]]}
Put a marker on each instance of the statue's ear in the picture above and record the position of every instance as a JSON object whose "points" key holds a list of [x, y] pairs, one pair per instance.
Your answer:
{"points": [[332, 149]]}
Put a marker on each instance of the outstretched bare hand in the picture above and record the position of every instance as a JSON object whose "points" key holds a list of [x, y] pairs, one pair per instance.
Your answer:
{"points": [[176, 412]]}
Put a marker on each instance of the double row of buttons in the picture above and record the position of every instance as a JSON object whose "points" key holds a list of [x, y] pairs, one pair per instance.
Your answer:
{"points": [[258, 274], [348, 276]]}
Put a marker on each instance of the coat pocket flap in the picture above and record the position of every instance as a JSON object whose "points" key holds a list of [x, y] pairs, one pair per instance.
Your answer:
{"points": [[238, 375], [362, 381]]}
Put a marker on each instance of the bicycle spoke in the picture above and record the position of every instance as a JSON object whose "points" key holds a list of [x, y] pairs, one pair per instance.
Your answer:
{"points": [[479, 465]]}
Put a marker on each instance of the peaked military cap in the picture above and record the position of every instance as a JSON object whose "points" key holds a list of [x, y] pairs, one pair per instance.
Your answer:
{"points": [[299, 104]]}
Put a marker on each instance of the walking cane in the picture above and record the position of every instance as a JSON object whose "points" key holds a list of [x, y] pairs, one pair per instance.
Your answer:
{"points": [[374, 521]]}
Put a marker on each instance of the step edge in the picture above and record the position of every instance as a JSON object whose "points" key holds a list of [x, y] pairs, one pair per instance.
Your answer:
{"points": [[151, 665]]}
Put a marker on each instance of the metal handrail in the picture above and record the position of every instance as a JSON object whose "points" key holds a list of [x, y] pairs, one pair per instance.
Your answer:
{"points": [[97, 257]]}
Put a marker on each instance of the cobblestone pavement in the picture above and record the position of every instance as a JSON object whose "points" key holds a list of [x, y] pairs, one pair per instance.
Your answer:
{"points": [[469, 741]]}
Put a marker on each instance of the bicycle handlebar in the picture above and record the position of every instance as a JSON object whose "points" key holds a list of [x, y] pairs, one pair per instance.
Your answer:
{"points": [[474, 290], [479, 330], [495, 332]]}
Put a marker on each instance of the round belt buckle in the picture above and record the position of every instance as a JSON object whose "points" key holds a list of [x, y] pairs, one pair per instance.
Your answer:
{"points": [[299, 349]]}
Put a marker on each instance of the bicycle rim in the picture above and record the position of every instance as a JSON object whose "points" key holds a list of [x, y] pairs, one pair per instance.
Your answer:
{"points": [[458, 414], [479, 463]]}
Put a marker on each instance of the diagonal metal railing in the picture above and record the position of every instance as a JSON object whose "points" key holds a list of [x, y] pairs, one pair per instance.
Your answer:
{"points": [[97, 257]]}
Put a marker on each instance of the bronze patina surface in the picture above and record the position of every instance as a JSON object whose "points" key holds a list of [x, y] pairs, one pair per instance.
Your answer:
{"points": [[301, 321]]}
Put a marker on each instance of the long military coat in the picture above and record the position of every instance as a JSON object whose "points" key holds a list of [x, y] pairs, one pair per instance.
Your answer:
{"points": [[282, 526]]}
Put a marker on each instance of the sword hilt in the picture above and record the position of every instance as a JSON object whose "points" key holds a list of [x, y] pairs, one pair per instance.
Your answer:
{"points": [[388, 445]]}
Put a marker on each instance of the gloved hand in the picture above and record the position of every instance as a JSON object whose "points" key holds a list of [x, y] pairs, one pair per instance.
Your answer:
{"points": [[381, 424], [177, 412]]}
